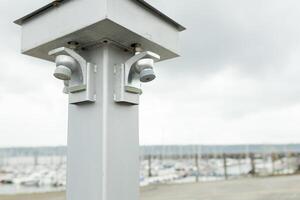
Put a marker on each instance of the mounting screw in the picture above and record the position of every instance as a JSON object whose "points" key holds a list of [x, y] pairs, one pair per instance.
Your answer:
{"points": [[73, 44], [137, 47]]}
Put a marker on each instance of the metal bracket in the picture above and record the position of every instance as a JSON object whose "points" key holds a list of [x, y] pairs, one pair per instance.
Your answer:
{"points": [[123, 93], [85, 93]]}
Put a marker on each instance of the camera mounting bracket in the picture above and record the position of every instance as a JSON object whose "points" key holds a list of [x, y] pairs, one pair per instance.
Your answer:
{"points": [[127, 81], [81, 87]]}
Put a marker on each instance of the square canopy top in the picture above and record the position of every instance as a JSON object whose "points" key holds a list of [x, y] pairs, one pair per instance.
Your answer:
{"points": [[89, 22]]}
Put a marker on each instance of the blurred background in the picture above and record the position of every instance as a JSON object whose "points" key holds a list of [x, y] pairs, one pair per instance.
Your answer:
{"points": [[43, 169], [227, 109]]}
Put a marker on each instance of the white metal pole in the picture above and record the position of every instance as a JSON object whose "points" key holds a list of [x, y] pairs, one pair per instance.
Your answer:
{"points": [[103, 142]]}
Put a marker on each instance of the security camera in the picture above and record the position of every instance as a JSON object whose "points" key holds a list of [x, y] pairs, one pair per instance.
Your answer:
{"points": [[65, 65], [139, 68], [144, 68], [77, 74], [129, 75]]}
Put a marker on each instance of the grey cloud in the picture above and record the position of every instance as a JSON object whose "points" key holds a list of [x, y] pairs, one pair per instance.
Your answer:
{"points": [[256, 38], [239, 61], [248, 34]]}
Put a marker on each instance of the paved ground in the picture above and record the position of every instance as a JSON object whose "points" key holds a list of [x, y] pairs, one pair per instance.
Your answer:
{"points": [[277, 188]]}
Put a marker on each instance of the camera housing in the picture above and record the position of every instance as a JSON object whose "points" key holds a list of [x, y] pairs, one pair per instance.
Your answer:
{"points": [[65, 65], [145, 68]]}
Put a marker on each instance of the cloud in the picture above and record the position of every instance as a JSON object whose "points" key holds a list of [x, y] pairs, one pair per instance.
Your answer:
{"points": [[33, 112], [235, 82], [239, 60]]}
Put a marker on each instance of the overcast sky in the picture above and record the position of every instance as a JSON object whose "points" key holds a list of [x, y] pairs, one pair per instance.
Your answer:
{"points": [[236, 82]]}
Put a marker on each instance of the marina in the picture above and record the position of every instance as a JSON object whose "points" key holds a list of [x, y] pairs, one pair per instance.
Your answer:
{"points": [[39, 170]]}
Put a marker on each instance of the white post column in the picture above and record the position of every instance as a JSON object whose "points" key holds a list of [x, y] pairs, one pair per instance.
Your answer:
{"points": [[103, 141]]}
